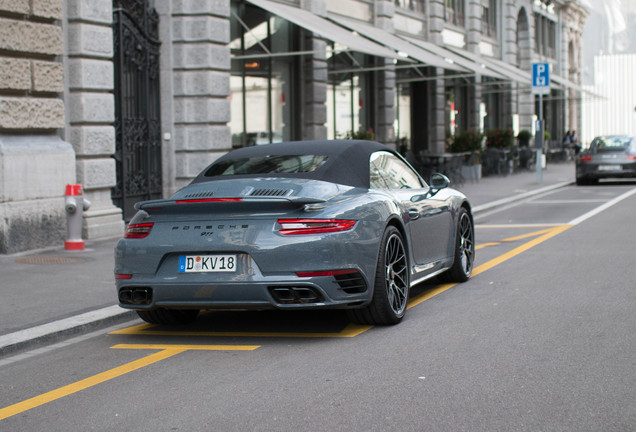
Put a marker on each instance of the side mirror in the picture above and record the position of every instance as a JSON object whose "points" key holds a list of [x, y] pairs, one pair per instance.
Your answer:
{"points": [[438, 181]]}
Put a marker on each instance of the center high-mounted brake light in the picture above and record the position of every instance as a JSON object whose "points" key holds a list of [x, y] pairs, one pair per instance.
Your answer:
{"points": [[140, 230], [313, 226], [205, 200]]}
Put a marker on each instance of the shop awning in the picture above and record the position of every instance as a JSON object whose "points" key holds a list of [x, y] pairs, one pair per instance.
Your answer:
{"points": [[325, 29], [403, 47], [496, 68], [519, 75], [565, 83], [473, 63]]}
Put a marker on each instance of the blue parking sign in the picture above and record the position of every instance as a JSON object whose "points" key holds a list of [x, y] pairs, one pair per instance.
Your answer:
{"points": [[540, 78]]}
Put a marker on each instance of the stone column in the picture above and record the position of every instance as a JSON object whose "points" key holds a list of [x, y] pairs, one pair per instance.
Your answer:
{"points": [[201, 85], [91, 111], [438, 127], [35, 164], [386, 111], [315, 79]]}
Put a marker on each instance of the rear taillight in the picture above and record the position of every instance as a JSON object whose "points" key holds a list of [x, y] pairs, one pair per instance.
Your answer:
{"points": [[631, 156], [123, 276], [313, 226], [139, 230], [585, 158]]}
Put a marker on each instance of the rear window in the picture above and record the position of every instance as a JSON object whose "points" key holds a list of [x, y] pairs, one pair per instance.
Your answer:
{"points": [[611, 143], [278, 164]]}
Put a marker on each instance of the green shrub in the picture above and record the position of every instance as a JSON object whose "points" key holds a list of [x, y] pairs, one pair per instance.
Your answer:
{"points": [[524, 135], [368, 135], [499, 138], [466, 141]]}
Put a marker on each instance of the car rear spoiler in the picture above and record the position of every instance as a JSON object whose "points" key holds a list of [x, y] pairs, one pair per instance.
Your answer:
{"points": [[175, 203]]}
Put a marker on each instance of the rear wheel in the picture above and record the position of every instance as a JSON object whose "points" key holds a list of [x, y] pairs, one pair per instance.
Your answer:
{"points": [[391, 287], [168, 316], [464, 249]]}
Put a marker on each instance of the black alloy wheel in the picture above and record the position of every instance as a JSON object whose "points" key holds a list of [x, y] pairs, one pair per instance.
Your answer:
{"points": [[464, 259], [391, 287]]}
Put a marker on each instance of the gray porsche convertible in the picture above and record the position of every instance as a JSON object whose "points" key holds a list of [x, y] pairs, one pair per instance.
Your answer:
{"points": [[308, 224]]}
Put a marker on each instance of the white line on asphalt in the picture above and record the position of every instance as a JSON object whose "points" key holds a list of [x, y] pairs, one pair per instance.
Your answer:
{"points": [[601, 208], [61, 325], [517, 198], [581, 201], [48, 348]]}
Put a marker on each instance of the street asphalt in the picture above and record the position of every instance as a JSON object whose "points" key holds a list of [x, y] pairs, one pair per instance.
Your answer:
{"points": [[54, 293]]}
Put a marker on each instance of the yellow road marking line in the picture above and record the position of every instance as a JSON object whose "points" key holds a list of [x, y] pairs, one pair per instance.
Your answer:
{"points": [[166, 352], [511, 239], [187, 347], [414, 301], [85, 383], [547, 234], [484, 245], [352, 330]]}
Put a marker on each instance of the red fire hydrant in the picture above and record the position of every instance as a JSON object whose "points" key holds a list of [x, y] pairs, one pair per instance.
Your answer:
{"points": [[75, 204]]}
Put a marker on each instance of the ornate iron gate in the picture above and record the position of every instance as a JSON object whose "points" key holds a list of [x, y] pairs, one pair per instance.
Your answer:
{"points": [[137, 111]]}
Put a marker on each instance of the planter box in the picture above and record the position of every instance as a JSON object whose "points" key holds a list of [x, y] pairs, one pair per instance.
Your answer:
{"points": [[471, 172]]}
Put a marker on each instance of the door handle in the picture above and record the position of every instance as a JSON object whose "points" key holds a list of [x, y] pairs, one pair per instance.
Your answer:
{"points": [[414, 214]]}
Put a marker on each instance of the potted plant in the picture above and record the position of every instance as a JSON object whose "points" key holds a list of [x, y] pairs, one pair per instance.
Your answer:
{"points": [[368, 135], [469, 143], [524, 137], [499, 138]]}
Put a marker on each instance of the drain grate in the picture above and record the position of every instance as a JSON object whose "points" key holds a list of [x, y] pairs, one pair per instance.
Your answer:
{"points": [[50, 259]]}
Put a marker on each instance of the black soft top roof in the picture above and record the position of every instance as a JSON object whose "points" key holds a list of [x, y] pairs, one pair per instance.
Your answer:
{"points": [[347, 160]]}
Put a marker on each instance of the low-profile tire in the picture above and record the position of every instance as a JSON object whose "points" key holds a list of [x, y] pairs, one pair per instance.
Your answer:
{"points": [[168, 316], [391, 285], [464, 258]]}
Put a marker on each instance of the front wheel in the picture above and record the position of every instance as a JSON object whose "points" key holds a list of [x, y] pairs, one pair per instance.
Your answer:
{"points": [[464, 259], [391, 286]]}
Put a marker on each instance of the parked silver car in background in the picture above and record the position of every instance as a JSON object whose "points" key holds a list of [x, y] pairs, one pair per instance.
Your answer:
{"points": [[612, 156]]}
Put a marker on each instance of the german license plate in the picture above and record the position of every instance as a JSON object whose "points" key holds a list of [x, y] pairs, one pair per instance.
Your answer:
{"points": [[207, 263], [609, 167]]}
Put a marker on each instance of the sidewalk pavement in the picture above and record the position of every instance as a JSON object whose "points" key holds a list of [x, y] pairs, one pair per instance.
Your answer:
{"points": [[54, 293]]}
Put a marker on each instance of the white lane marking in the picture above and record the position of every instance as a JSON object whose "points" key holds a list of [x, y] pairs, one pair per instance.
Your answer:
{"points": [[602, 208], [580, 201]]}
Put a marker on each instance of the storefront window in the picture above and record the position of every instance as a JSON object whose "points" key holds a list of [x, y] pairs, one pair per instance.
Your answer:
{"points": [[260, 83], [349, 100], [402, 124], [343, 99]]}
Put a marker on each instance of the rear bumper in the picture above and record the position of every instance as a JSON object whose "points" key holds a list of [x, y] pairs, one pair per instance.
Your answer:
{"points": [[591, 170], [291, 292]]}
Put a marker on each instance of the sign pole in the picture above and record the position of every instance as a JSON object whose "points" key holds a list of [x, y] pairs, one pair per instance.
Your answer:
{"points": [[539, 142], [540, 86]]}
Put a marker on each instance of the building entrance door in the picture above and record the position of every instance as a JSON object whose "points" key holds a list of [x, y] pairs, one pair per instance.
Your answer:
{"points": [[137, 111]]}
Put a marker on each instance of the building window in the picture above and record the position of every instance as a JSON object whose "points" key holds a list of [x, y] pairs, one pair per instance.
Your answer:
{"points": [[454, 12], [402, 123], [350, 103], [414, 5], [545, 36], [489, 19], [260, 84]]}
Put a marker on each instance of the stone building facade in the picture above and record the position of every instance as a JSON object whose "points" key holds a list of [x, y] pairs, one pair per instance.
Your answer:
{"points": [[229, 73]]}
